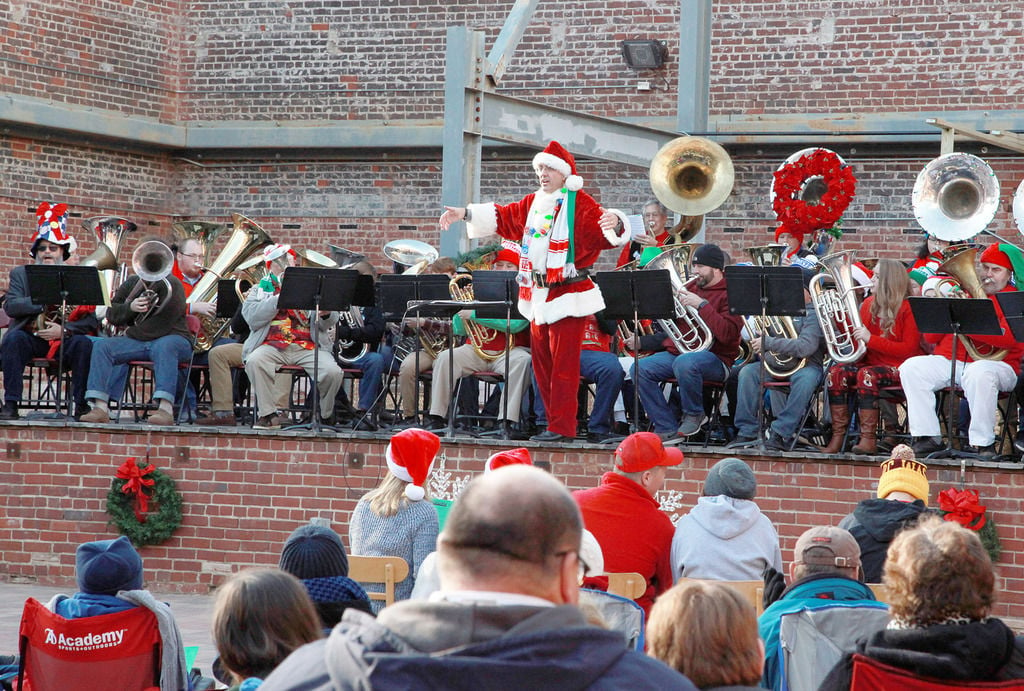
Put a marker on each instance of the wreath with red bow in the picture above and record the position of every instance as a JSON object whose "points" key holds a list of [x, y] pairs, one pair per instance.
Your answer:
{"points": [[963, 507], [144, 503], [802, 217]]}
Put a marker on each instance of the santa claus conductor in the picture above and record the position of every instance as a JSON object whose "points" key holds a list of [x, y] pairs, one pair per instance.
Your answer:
{"points": [[560, 231]]}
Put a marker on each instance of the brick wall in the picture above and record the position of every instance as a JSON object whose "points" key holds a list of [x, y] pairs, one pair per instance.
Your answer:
{"points": [[244, 493]]}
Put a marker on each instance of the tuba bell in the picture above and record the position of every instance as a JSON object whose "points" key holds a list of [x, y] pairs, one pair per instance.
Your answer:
{"points": [[203, 232], [779, 366], [414, 254], [837, 308], [955, 196], [461, 289], [152, 262], [696, 334], [691, 176], [110, 232], [960, 264]]}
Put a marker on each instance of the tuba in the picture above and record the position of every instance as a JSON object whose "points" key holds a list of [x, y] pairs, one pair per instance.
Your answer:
{"points": [[109, 232], [461, 289], [811, 192], [692, 176], [960, 265], [837, 308], [203, 232], [696, 335], [414, 254], [955, 196], [779, 366], [245, 240], [152, 262]]}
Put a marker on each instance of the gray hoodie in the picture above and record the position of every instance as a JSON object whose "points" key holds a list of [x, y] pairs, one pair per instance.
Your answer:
{"points": [[724, 539]]}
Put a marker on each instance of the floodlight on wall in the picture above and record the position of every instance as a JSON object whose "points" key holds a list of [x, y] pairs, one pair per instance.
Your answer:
{"points": [[646, 54]]}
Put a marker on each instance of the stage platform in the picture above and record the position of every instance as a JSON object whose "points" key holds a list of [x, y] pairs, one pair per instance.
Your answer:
{"points": [[244, 491]]}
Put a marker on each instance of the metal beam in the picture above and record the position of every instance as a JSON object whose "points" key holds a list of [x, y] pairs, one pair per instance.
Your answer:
{"points": [[508, 38], [694, 65]]}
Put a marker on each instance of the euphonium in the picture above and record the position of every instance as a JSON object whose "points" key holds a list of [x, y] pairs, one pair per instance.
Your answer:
{"points": [[461, 289], [779, 366], [837, 308], [245, 240], [697, 334], [960, 265]]}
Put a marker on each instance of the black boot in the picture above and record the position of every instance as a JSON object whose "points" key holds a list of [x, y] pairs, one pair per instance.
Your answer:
{"points": [[9, 411]]}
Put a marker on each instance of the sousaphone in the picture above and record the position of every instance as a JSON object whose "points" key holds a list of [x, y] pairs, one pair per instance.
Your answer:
{"points": [[691, 176], [955, 196]]}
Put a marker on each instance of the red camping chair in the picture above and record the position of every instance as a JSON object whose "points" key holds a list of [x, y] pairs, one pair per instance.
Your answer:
{"points": [[111, 651], [872, 675]]}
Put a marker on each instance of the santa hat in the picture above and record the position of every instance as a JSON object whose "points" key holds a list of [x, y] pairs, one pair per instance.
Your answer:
{"points": [[272, 252], [555, 156], [410, 458], [1007, 256], [507, 255], [52, 223], [798, 234], [501, 459]]}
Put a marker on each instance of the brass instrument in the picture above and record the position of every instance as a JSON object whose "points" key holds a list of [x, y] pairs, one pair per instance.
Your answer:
{"points": [[691, 176], [203, 232], [779, 366], [245, 240], [104, 259], [110, 232], [955, 196], [837, 308], [461, 288], [960, 265], [414, 254], [697, 335], [812, 189], [624, 335], [152, 262]]}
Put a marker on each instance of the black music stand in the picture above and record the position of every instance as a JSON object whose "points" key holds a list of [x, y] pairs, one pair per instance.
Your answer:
{"points": [[768, 291], [632, 296], [54, 284], [397, 291], [499, 287], [1012, 304], [959, 317], [316, 289]]}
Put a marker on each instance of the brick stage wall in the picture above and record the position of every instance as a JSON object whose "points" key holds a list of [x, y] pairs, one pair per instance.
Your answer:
{"points": [[245, 492]]}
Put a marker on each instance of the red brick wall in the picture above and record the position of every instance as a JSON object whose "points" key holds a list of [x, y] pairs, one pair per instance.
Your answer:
{"points": [[244, 493]]}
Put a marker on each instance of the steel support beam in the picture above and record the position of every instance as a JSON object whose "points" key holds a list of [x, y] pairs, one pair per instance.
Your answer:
{"points": [[694, 65], [508, 38]]}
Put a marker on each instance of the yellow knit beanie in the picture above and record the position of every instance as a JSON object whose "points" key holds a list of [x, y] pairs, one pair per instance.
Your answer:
{"points": [[903, 473]]}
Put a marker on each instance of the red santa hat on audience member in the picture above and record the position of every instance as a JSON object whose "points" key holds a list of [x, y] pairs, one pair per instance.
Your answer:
{"points": [[501, 459], [410, 458], [555, 156], [52, 225], [274, 252]]}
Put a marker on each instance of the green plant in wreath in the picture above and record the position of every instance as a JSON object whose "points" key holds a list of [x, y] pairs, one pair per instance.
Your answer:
{"points": [[144, 504], [963, 507]]}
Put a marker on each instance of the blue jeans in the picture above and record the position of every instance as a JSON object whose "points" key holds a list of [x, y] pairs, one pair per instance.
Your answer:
{"points": [[690, 370], [787, 410], [370, 386], [166, 353], [602, 368], [18, 349]]}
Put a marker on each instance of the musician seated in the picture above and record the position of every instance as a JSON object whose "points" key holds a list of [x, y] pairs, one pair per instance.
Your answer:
{"points": [[154, 314], [980, 379], [690, 369], [600, 366], [356, 337], [796, 254], [35, 330], [788, 411], [284, 337]]}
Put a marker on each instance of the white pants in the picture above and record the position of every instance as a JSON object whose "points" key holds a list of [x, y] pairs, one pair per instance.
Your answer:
{"points": [[981, 381]]}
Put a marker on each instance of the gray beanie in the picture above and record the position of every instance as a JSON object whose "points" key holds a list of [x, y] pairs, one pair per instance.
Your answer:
{"points": [[313, 551], [731, 477], [108, 566]]}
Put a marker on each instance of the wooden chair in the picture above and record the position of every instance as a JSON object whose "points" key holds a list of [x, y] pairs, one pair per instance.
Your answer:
{"points": [[628, 584], [386, 571]]}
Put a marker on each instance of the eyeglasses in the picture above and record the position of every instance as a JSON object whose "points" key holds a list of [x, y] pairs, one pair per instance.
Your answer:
{"points": [[193, 257]]}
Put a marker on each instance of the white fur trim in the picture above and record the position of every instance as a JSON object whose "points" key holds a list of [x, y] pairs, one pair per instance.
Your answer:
{"points": [[618, 240], [574, 183], [569, 305], [398, 471], [552, 161], [414, 492], [485, 220]]}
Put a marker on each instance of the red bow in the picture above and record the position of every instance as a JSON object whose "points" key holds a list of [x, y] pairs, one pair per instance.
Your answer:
{"points": [[136, 484], [962, 506]]}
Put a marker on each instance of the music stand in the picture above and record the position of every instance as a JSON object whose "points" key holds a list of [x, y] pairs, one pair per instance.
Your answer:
{"points": [[1012, 304], [632, 296], [768, 291], [959, 317], [499, 287], [316, 289], [54, 284], [397, 291]]}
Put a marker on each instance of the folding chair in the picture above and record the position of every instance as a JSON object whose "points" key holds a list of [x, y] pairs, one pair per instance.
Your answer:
{"points": [[111, 651], [380, 572], [872, 675]]}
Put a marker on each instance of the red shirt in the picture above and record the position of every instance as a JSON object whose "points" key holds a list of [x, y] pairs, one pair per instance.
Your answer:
{"points": [[594, 338], [634, 533], [890, 350]]}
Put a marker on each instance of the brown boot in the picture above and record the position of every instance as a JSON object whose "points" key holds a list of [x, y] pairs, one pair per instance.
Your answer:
{"points": [[840, 422], [868, 443]]}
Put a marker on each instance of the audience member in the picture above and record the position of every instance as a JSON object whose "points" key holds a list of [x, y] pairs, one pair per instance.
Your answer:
{"points": [[622, 513], [726, 537], [260, 616], [314, 554], [393, 520], [505, 616], [708, 632], [902, 499], [825, 572], [941, 590]]}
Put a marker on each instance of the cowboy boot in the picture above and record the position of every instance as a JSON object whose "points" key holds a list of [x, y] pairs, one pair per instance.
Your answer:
{"points": [[840, 421], [868, 443]]}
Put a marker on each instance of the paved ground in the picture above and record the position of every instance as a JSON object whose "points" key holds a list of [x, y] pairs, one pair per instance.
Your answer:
{"points": [[192, 613]]}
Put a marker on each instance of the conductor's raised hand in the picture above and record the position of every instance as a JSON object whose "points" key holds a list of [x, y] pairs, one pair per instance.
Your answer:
{"points": [[451, 215], [609, 222]]}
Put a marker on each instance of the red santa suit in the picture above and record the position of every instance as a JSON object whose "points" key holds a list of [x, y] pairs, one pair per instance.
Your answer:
{"points": [[559, 240]]}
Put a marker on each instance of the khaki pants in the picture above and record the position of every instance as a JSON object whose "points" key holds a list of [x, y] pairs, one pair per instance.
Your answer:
{"points": [[223, 359], [466, 361], [262, 370]]}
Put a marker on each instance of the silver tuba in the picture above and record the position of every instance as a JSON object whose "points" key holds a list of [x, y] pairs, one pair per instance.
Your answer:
{"points": [[838, 308], [779, 366], [955, 196], [110, 232], [415, 254], [696, 334]]}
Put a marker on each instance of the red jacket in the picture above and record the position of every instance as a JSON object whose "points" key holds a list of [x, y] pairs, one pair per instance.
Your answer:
{"points": [[944, 342], [634, 534], [892, 350]]}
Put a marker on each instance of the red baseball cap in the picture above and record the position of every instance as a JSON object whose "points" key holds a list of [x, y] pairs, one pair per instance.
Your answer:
{"points": [[642, 451]]}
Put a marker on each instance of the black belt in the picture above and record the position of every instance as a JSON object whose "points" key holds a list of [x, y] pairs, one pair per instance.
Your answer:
{"points": [[541, 282]]}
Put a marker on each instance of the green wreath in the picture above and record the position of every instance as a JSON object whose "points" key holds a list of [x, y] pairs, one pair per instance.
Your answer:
{"points": [[148, 519]]}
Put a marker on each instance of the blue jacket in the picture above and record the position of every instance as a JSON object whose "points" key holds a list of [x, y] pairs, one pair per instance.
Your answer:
{"points": [[812, 592]]}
